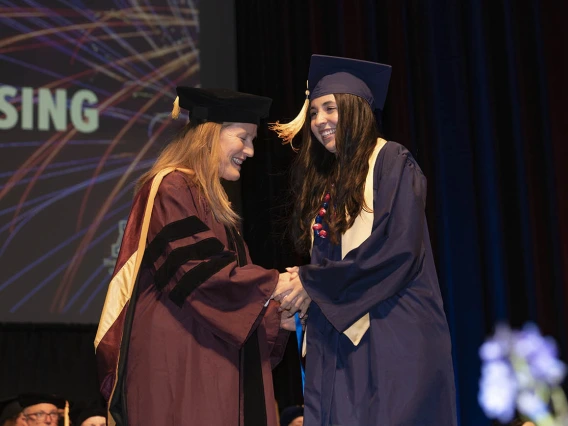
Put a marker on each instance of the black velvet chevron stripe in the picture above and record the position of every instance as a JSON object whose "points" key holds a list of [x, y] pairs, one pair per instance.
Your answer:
{"points": [[230, 239], [201, 250], [197, 276], [241, 252], [236, 244], [171, 232]]}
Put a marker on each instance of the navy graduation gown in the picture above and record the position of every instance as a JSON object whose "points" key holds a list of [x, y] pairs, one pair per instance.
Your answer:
{"points": [[401, 372]]}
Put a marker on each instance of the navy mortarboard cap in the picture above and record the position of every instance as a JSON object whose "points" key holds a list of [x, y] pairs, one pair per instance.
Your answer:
{"points": [[368, 80], [290, 413], [221, 105], [331, 74], [9, 408], [82, 411]]}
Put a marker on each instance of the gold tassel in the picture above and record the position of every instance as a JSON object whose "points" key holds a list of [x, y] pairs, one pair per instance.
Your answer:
{"points": [[287, 131], [175, 109], [66, 414]]}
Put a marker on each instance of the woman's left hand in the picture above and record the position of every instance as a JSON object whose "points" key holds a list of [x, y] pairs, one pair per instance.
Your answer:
{"points": [[293, 297]]}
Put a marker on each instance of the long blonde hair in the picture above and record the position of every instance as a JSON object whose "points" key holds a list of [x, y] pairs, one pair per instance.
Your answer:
{"points": [[197, 148]]}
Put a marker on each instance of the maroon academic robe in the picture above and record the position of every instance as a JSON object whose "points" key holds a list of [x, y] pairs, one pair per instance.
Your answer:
{"points": [[196, 341]]}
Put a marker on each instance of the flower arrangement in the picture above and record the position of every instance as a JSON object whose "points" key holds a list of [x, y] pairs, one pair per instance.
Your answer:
{"points": [[521, 373]]}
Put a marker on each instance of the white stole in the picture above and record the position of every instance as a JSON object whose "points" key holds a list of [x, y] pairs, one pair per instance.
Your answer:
{"points": [[354, 237]]}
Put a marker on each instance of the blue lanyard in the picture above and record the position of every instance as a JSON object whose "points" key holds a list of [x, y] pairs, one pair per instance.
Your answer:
{"points": [[299, 338]]}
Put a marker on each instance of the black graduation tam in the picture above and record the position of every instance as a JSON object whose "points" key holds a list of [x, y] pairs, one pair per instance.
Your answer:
{"points": [[81, 411], [9, 409], [331, 74], [290, 413], [29, 399], [221, 105]]}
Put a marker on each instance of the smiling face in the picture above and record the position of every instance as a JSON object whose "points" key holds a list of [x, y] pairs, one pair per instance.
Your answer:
{"points": [[323, 120], [235, 143]]}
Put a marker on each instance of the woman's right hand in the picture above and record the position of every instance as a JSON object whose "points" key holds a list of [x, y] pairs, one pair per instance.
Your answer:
{"points": [[292, 295], [283, 282]]}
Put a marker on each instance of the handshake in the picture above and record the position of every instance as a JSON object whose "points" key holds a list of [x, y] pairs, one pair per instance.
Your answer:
{"points": [[292, 296]]}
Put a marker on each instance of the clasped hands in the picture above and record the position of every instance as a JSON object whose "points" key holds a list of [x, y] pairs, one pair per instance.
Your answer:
{"points": [[292, 296]]}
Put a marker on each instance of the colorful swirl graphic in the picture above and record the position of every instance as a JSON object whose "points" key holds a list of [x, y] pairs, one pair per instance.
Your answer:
{"points": [[85, 95]]}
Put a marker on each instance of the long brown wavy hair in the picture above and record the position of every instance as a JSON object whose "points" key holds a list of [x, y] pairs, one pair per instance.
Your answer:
{"points": [[197, 147], [317, 171]]}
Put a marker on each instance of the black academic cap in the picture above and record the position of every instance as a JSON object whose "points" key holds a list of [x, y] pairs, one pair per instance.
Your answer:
{"points": [[29, 399], [327, 75], [221, 105], [9, 408], [290, 413], [83, 410]]}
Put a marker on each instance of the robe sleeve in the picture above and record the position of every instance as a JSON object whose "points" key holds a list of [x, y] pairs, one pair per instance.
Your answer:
{"points": [[387, 261], [198, 273], [276, 337]]}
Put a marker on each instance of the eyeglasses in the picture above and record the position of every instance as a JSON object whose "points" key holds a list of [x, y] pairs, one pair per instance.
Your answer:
{"points": [[41, 416]]}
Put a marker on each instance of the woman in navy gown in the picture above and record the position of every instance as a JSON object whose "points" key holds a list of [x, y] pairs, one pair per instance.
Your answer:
{"points": [[378, 348]]}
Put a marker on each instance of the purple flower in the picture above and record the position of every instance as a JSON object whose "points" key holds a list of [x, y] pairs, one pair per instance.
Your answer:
{"points": [[515, 364], [540, 353], [528, 342], [547, 368], [497, 390], [531, 406], [498, 346]]}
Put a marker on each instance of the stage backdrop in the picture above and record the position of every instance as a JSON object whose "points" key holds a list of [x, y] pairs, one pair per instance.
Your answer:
{"points": [[85, 92]]}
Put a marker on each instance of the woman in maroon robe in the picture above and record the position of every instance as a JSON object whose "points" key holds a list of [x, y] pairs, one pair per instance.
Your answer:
{"points": [[378, 346], [188, 333]]}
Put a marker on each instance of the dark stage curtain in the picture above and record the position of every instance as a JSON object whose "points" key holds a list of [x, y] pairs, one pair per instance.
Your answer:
{"points": [[51, 358], [478, 95]]}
